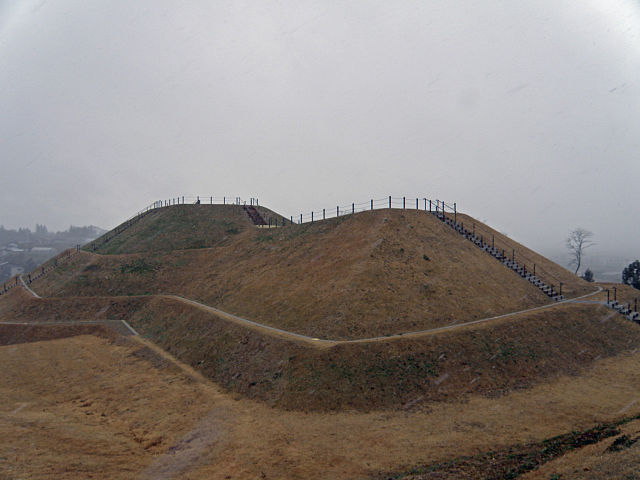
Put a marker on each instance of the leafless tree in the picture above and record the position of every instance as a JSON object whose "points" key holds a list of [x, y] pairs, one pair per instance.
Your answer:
{"points": [[578, 241]]}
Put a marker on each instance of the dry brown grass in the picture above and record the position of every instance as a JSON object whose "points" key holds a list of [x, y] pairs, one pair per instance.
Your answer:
{"points": [[374, 273], [87, 407]]}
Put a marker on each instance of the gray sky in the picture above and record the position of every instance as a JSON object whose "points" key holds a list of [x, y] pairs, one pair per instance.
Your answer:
{"points": [[527, 114]]}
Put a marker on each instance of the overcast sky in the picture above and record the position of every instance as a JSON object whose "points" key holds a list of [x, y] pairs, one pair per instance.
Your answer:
{"points": [[527, 114]]}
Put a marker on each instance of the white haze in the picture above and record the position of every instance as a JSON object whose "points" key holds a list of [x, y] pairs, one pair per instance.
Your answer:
{"points": [[527, 114]]}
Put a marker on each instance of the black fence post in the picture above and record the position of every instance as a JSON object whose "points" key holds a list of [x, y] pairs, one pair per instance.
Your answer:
{"points": [[615, 294], [403, 202], [300, 219], [417, 207], [312, 217], [455, 214], [389, 201], [560, 288], [425, 204], [353, 208], [607, 296], [429, 205], [337, 211], [224, 200], [323, 214], [292, 219]]}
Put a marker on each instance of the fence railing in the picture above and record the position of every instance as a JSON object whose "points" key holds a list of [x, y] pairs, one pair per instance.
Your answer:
{"points": [[438, 207], [40, 271], [407, 203]]}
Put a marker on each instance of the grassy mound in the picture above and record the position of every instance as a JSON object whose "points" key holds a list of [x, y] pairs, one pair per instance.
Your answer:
{"points": [[490, 359], [374, 273], [176, 228]]}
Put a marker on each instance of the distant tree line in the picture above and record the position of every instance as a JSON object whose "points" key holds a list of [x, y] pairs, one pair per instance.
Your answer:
{"points": [[42, 234]]}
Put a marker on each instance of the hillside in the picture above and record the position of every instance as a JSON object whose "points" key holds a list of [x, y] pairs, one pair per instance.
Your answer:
{"points": [[202, 393], [374, 273], [177, 227]]}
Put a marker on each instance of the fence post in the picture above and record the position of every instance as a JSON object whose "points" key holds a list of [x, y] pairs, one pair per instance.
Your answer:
{"points": [[615, 294], [300, 219], [353, 208], [417, 208], [292, 219], [429, 205], [371, 204], [607, 296], [403, 202], [312, 216], [337, 211], [211, 200], [455, 214], [425, 204], [389, 201], [323, 214], [437, 205], [224, 200]]}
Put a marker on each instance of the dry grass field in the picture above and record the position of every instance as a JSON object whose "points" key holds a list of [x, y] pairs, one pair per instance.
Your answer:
{"points": [[92, 406], [550, 393]]}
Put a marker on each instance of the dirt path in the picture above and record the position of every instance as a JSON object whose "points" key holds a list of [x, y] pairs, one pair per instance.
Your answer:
{"points": [[318, 342]]}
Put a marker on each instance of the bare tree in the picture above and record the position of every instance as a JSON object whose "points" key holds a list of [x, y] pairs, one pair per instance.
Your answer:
{"points": [[577, 242]]}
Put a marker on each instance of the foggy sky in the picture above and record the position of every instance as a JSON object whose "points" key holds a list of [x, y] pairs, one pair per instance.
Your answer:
{"points": [[527, 114]]}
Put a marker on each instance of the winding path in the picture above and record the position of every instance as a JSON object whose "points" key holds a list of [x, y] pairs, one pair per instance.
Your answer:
{"points": [[318, 342]]}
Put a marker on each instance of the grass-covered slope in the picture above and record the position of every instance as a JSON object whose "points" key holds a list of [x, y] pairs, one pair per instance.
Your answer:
{"points": [[489, 359], [177, 227], [374, 273]]}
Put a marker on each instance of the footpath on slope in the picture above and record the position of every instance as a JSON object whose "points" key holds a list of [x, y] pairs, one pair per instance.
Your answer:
{"points": [[328, 342]]}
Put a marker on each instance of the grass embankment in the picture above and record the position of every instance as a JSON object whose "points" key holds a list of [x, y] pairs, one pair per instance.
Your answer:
{"points": [[490, 359], [21, 306], [374, 273], [175, 228]]}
